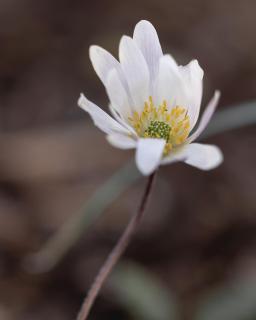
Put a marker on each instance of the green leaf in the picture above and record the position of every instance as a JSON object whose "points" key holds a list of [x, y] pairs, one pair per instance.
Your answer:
{"points": [[231, 118], [64, 239], [235, 301], [141, 293]]}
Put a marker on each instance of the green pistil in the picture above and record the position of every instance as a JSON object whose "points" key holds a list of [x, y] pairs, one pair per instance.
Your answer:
{"points": [[158, 129]]}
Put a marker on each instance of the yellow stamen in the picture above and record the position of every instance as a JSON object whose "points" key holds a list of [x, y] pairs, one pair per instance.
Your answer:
{"points": [[159, 122]]}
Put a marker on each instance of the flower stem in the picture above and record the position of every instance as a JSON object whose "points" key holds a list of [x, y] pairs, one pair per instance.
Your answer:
{"points": [[116, 253]]}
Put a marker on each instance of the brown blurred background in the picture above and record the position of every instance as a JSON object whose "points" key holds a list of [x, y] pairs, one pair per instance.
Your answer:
{"points": [[199, 232]]}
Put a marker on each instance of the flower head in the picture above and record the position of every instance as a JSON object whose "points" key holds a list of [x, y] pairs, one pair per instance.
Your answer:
{"points": [[154, 102]]}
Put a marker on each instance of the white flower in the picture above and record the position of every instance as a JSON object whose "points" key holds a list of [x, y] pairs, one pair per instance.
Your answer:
{"points": [[155, 103]]}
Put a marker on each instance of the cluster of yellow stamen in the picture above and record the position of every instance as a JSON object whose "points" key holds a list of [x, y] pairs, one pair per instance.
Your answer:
{"points": [[159, 122]]}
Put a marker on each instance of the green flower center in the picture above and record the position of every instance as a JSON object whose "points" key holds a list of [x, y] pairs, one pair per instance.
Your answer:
{"points": [[158, 129]]}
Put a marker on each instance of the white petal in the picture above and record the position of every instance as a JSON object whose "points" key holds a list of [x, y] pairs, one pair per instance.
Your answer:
{"points": [[102, 62], [192, 75], [121, 121], [171, 86], [135, 70], [100, 118], [148, 154], [147, 40], [192, 69], [118, 95], [121, 141], [206, 116], [203, 156]]}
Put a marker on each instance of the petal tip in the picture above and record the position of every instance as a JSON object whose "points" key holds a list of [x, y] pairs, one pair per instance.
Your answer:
{"points": [[217, 94], [203, 156], [144, 171], [218, 156], [143, 23], [94, 52], [218, 160], [125, 39], [82, 101], [197, 68], [148, 154]]}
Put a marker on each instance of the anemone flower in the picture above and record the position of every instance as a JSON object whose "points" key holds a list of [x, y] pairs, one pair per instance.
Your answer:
{"points": [[155, 103]]}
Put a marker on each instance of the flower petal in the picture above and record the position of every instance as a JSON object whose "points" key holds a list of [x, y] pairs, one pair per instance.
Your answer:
{"points": [[100, 118], [171, 86], [135, 70], [203, 156], [122, 122], [206, 116], [121, 141], [118, 95], [192, 75], [148, 154], [102, 62], [147, 40]]}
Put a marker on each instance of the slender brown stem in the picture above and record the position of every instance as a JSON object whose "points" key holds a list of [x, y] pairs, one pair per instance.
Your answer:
{"points": [[116, 253]]}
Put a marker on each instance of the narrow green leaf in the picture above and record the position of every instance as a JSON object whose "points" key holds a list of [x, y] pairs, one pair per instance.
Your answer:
{"points": [[235, 301], [231, 118], [59, 244], [142, 294]]}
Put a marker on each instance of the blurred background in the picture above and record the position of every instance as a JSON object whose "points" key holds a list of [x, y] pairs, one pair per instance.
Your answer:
{"points": [[194, 256]]}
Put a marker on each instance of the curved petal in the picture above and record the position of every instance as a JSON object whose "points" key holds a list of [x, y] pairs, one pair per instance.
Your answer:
{"points": [[206, 116], [135, 70], [192, 75], [148, 154], [118, 95], [146, 38], [121, 141], [122, 122], [203, 156], [102, 62], [100, 118], [171, 86]]}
